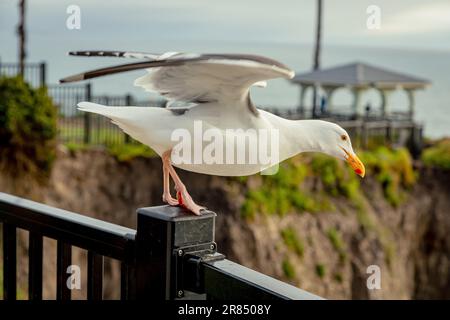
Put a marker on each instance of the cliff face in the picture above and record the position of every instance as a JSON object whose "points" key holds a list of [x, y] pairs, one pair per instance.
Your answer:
{"points": [[326, 252]]}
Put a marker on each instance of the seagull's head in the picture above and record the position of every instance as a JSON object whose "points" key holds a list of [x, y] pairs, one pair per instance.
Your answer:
{"points": [[335, 141]]}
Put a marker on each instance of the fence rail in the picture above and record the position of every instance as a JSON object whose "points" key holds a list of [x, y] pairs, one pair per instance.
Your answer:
{"points": [[171, 252], [82, 127], [69, 229], [34, 73], [75, 126]]}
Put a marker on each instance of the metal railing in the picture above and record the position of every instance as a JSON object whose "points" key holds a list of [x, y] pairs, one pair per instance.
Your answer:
{"points": [[76, 126], [34, 73], [82, 127], [69, 229], [172, 253]]}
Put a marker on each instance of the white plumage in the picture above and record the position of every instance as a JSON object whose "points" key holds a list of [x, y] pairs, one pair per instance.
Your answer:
{"points": [[216, 87]]}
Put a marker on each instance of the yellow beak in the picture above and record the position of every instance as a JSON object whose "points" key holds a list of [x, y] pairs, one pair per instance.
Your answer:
{"points": [[355, 163]]}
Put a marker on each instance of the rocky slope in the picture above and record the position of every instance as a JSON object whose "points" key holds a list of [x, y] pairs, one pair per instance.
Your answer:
{"points": [[325, 250]]}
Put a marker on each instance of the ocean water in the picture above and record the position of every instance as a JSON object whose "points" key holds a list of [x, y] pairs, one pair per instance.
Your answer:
{"points": [[432, 104]]}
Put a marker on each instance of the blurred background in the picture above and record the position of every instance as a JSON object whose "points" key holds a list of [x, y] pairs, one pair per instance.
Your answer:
{"points": [[314, 224]]}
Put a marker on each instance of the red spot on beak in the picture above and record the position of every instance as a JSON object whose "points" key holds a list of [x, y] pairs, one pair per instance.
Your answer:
{"points": [[358, 171]]}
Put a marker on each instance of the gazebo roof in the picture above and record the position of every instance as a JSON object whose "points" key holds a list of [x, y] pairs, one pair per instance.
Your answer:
{"points": [[360, 75]]}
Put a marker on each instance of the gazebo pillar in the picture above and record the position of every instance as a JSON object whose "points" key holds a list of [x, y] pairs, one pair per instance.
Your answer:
{"points": [[301, 106], [356, 101], [329, 93], [411, 101], [385, 93]]}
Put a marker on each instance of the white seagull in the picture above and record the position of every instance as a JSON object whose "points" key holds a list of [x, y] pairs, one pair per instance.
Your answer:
{"points": [[215, 91]]}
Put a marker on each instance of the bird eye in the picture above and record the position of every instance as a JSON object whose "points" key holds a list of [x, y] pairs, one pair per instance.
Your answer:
{"points": [[344, 137]]}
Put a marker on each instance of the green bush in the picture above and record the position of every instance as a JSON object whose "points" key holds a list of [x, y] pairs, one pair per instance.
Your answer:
{"points": [[320, 270], [128, 151], [281, 193], [338, 243], [338, 277], [393, 169], [288, 269], [337, 177], [292, 241], [284, 192], [27, 127], [438, 155]]}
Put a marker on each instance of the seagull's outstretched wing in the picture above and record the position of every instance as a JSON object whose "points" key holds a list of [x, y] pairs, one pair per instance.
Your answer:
{"points": [[198, 78]]}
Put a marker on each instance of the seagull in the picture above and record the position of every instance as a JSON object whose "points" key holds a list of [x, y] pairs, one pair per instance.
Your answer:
{"points": [[211, 90]]}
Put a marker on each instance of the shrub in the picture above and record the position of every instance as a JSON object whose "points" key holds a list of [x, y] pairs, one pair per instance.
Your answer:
{"points": [[292, 241], [288, 269], [280, 193], [337, 177], [438, 155], [320, 270], [27, 127], [393, 169], [338, 277], [337, 242], [128, 151]]}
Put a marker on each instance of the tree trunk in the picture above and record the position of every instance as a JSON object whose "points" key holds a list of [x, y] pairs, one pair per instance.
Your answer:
{"points": [[316, 64], [21, 34]]}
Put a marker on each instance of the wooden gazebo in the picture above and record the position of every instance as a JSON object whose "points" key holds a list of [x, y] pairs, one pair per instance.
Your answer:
{"points": [[358, 78]]}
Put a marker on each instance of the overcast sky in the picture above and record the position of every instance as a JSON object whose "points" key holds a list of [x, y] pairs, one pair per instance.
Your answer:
{"points": [[159, 23]]}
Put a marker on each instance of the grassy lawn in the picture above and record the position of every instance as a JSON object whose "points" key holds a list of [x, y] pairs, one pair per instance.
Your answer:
{"points": [[123, 152], [102, 131], [97, 136]]}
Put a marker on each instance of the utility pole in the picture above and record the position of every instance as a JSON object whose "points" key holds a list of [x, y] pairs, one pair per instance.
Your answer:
{"points": [[316, 64], [21, 34]]}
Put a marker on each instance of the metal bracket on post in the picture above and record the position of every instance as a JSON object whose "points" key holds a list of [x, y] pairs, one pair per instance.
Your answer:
{"points": [[167, 237], [192, 270]]}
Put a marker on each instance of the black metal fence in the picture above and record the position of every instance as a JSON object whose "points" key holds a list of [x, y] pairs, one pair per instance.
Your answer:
{"points": [[76, 126], [171, 255], [82, 127], [34, 73]]}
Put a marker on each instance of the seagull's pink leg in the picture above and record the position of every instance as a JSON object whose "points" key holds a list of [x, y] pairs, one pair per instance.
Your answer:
{"points": [[184, 198], [167, 197]]}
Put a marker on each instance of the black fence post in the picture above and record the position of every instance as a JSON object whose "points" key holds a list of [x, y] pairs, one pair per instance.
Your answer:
{"points": [[128, 102], [165, 234], [43, 74], [389, 135], [359, 131], [9, 262], [415, 141], [87, 117]]}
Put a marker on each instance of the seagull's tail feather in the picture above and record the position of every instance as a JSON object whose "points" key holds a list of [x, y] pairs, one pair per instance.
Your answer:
{"points": [[127, 118], [120, 116], [95, 108], [114, 113]]}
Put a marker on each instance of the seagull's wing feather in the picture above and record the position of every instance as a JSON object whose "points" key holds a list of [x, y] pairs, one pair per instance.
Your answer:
{"points": [[116, 54], [114, 69], [199, 78], [211, 77]]}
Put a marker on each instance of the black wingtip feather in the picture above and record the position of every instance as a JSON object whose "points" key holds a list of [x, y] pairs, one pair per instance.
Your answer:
{"points": [[74, 78]]}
